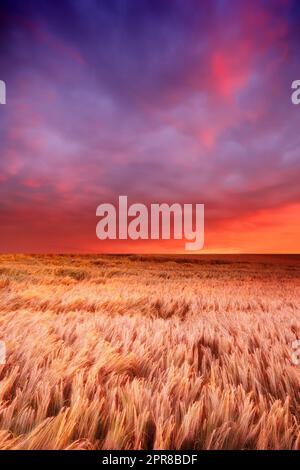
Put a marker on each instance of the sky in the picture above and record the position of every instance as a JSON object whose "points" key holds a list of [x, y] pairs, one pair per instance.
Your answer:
{"points": [[163, 101]]}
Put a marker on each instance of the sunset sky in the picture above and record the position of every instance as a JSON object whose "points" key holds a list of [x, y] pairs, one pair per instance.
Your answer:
{"points": [[161, 100]]}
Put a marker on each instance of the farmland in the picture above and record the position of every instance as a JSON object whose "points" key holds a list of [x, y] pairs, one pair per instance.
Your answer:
{"points": [[145, 352]]}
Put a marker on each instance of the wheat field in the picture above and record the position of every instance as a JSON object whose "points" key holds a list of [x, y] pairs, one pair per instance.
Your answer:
{"points": [[141, 352]]}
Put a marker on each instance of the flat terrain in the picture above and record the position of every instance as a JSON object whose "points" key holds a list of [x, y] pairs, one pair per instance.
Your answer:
{"points": [[137, 352]]}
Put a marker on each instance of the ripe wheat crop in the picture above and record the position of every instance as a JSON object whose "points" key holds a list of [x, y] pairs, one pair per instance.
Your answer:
{"points": [[131, 352]]}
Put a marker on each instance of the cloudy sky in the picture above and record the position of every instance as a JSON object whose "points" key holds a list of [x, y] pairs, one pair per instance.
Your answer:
{"points": [[161, 100]]}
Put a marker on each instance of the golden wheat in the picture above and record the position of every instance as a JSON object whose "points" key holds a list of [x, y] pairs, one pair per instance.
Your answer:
{"points": [[108, 352]]}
